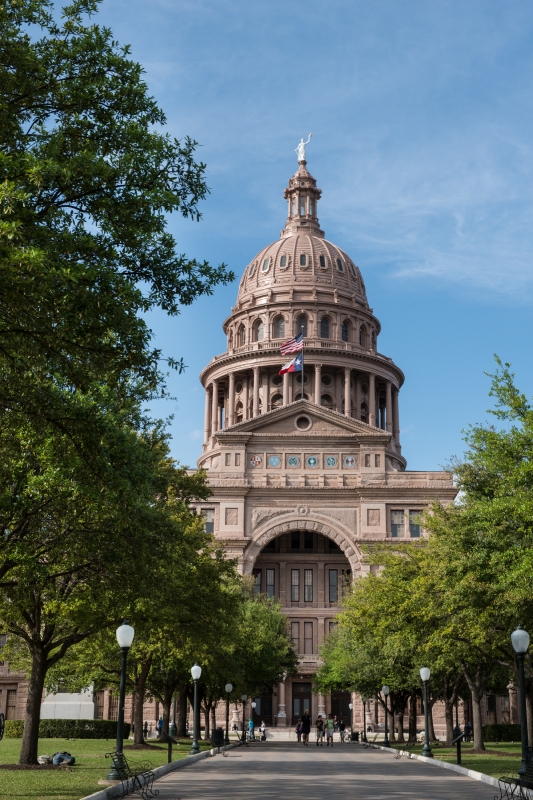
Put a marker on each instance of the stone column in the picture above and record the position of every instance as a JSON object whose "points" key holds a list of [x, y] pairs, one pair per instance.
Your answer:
{"points": [[255, 410], [372, 399], [321, 705], [338, 391], [358, 397], [214, 409], [266, 391], [282, 713], [207, 415], [231, 401], [290, 376], [246, 398], [318, 377], [396, 415], [388, 402], [347, 393], [285, 388]]}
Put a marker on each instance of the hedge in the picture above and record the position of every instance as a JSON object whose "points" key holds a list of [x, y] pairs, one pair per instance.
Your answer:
{"points": [[69, 729], [501, 733]]}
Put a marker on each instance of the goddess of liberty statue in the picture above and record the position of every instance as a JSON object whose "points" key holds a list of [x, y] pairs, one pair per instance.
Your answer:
{"points": [[301, 148]]}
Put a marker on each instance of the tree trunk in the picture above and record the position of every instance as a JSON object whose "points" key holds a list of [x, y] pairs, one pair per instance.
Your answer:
{"points": [[138, 703], [412, 717], [213, 716], [207, 708], [30, 736], [401, 737], [182, 710], [476, 686], [448, 711]]}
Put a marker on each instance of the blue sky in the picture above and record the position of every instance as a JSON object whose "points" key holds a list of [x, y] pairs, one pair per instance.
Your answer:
{"points": [[421, 114]]}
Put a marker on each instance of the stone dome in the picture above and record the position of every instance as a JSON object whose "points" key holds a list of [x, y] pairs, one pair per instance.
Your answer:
{"points": [[302, 255]]}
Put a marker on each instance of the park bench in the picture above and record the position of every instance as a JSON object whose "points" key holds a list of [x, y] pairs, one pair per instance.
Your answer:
{"points": [[520, 787], [135, 778]]}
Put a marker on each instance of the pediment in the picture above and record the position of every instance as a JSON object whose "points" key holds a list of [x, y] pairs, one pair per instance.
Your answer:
{"points": [[324, 422]]}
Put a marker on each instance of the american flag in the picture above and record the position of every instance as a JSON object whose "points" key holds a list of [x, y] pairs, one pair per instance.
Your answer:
{"points": [[293, 345]]}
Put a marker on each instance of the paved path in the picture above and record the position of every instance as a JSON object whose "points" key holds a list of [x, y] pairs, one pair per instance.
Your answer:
{"points": [[293, 772]]}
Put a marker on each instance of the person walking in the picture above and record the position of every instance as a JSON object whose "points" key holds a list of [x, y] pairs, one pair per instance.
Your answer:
{"points": [[320, 731], [306, 727], [159, 726], [468, 731], [251, 735], [299, 731], [330, 728], [342, 728]]}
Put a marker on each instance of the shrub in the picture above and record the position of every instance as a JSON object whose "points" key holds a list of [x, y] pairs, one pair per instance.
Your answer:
{"points": [[501, 733], [14, 728], [69, 729]]}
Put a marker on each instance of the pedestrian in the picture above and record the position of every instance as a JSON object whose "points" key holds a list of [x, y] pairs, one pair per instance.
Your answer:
{"points": [[306, 727], [299, 730], [263, 731], [145, 730], [320, 731], [342, 728], [251, 730], [330, 727], [159, 726], [468, 731], [335, 723]]}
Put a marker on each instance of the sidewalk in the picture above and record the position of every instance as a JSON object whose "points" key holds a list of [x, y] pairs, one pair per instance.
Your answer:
{"points": [[265, 771]]}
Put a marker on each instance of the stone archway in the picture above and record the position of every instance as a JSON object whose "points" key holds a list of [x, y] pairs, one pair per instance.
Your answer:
{"points": [[272, 530]]}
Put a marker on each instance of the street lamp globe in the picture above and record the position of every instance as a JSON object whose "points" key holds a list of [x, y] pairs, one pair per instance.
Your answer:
{"points": [[520, 640], [425, 672], [125, 635], [196, 671], [350, 706], [254, 704], [229, 688], [244, 698], [385, 689]]}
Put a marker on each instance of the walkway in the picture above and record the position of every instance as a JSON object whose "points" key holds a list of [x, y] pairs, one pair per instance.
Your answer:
{"points": [[291, 772]]}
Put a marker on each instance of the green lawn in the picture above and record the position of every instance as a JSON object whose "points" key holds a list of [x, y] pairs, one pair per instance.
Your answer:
{"points": [[83, 778], [502, 759]]}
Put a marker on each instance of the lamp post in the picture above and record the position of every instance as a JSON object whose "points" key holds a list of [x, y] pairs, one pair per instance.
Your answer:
{"points": [[364, 739], [229, 688], [385, 689], [244, 698], [426, 750], [125, 634], [350, 706], [520, 640], [196, 671]]}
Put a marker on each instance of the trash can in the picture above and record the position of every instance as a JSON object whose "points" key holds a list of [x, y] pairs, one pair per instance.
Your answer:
{"points": [[355, 736], [173, 729], [217, 737]]}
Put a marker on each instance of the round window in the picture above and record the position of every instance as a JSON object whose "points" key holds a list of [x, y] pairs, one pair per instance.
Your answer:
{"points": [[303, 423], [277, 380], [238, 387], [364, 388], [326, 380]]}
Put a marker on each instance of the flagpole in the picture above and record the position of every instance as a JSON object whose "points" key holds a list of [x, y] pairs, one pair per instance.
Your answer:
{"points": [[302, 329]]}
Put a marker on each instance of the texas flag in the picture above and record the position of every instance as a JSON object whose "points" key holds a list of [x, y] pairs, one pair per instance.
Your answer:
{"points": [[293, 366]]}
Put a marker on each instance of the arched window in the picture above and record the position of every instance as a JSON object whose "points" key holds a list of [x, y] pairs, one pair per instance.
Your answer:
{"points": [[326, 400], [241, 336], [324, 328], [298, 396], [363, 338], [238, 411], [230, 340], [279, 328], [259, 330], [345, 331], [364, 412], [340, 265], [301, 325], [276, 402], [303, 260], [294, 206], [302, 206], [310, 206]]}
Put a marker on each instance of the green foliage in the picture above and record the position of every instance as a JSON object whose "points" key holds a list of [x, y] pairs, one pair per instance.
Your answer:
{"points": [[14, 728], [69, 729], [501, 733]]}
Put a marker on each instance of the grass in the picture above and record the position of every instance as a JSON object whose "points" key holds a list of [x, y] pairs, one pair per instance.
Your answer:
{"points": [[502, 758], [82, 779]]}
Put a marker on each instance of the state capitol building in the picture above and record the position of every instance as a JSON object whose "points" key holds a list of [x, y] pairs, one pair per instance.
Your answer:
{"points": [[306, 467]]}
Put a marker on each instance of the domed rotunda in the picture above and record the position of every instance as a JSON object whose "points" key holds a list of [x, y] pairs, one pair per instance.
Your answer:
{"points": [[303, 283]]}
